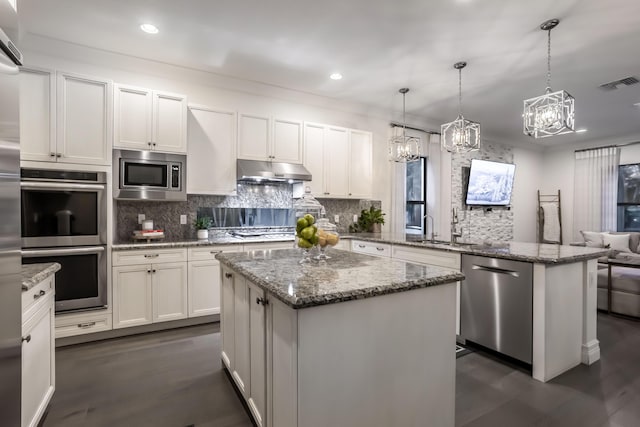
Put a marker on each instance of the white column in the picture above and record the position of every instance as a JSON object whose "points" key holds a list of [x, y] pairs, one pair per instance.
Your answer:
{"points": [[590, 343]]}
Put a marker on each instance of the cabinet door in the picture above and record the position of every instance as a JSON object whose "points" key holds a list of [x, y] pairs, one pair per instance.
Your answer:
{"points": [[84, 119], [38, 364], [314, 157], [337, 162], [227, 323], [131, 296], [169, 282], [211, 151], [257, 339], [242, 352], [132, 117], [287, 141], [37, 115], [169, 122], [253, 137], [204, 288], [360, 166]]}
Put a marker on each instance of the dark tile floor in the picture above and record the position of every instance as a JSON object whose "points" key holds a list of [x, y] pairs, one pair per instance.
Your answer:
{"points": [[174, 378]]}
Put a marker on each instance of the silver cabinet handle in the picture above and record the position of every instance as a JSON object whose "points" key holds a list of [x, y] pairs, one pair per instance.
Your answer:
{"points": [[58, 155], [148, 271], [228, 275], [153, 271], [151, 255], [361, 246], [52, 154], [29, 253], [215, 252], [495, 270], [27, 338], [31, 185], [149, 143], [380, 249], [262, 301], [38, 295], [86, 325]]}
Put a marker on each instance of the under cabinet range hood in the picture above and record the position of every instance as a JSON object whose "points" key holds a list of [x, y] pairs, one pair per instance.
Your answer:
{"points": [[259, 171]]}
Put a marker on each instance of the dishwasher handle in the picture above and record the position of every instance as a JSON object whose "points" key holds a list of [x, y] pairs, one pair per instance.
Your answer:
{"points": [[495, 270]]}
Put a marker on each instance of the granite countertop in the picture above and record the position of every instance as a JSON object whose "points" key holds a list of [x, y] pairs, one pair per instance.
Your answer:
{"points": [[518, 251], [32, 274], [212, 241], [346, 276]]}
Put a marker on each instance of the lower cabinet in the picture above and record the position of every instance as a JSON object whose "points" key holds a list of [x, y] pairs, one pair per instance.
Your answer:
{"points": [[257, 358], [149, 293], [38, 355]]}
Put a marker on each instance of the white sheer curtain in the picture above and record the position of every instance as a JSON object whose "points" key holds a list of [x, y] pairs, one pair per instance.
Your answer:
{"points": [[595, 190]]}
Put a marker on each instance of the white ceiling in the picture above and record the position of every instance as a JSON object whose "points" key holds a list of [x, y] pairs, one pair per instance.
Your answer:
{"points": [[382, 45]]}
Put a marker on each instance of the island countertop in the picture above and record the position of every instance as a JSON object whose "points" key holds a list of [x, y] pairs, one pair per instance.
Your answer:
{"points": [[344, 277], [541, 253]]}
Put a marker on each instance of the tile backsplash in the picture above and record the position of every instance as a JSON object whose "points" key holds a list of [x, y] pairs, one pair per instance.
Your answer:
{"points": [[166, 215]]}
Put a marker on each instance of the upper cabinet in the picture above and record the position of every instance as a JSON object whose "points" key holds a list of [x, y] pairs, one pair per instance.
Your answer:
{"points": [[340, 161], [270, 139], [211, 153], [66, 118], [148, 119]]}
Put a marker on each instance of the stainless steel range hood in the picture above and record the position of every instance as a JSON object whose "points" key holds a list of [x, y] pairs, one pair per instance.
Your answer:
{"points": [[258, 171]]}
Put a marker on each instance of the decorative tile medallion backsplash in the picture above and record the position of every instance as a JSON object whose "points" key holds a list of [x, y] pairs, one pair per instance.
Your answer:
{"points": [[272, 197]]}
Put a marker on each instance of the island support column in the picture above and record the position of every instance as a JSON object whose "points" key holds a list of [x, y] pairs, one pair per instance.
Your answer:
{"points": [[590, 343]]}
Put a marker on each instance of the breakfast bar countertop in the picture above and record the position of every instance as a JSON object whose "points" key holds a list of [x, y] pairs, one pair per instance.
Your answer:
{"points": [[32, 274], [346, 276]]}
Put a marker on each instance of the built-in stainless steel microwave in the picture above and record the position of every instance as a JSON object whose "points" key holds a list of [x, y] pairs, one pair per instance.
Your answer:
{"points": [[148, 175]]}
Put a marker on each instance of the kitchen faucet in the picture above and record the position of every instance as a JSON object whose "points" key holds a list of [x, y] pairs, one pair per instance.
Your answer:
{"points": [[433, 233]]}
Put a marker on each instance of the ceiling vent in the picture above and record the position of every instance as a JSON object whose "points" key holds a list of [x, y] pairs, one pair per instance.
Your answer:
{"points": [[628, 81]]}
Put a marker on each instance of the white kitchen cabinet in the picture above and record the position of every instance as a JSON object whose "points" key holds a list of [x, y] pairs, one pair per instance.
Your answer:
{"points": [[203, 279], [227, 316], [83, 119], [71, 324], [148, 287], [257, 359], [147, 119], [38, 353], [65, 118], [241, 372], [37, 114], [340, 161], [371, 248], [269, 139], [360, 164], [211, 151]]}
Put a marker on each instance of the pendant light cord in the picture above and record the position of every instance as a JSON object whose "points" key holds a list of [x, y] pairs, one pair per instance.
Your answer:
{"points": [[549, 61], [460, 91], [404, 121]]}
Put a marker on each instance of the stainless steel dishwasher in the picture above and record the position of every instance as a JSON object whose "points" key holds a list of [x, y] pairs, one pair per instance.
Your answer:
{"points": [[496, 305]]}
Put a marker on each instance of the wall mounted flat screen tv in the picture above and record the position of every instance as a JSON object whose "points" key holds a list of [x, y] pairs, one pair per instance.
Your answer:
{"points": [[490, 183]]}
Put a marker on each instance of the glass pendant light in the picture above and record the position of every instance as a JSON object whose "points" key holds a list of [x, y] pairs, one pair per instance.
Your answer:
{"points": [[403, 148], [460, 135], [552, 113]]}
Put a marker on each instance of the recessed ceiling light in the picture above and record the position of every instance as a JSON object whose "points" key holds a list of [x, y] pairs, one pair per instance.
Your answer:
{"points": [[581, 130], [637, 104], [335, 76], [149, 28]]}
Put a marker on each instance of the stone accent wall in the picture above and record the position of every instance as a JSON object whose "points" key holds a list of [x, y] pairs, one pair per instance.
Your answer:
{"points": [[478, 224], [166, 215]]}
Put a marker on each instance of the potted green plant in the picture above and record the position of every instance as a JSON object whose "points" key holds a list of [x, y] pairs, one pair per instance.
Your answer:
{"points": [[370, 220], [202, 224]]}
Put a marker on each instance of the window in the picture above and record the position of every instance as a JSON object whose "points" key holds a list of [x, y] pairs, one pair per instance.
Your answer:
{"points": [[416, 184], [629, 197]]}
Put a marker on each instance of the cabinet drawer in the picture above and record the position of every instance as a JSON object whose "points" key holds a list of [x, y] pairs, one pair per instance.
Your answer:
{"points": [[36, 294], [68, 325], [427, 256], [208, 253], [371, 248], [149, 256]]}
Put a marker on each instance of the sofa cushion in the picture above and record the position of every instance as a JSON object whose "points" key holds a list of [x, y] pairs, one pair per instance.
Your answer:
{"points": [[593, 239], [619, 242], [634, 239]]}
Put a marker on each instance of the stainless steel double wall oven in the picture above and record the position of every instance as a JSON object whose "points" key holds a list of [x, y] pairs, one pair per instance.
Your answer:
{"points": [[63, 216]]}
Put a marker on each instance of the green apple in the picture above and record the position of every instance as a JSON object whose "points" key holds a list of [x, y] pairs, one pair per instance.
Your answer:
{"points": [[310, 219], [304, 243], [307, 232], [301, 223]]}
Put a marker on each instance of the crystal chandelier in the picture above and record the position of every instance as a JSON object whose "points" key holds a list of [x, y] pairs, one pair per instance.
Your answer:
{"points": [[403, 148], [460, 135], [552, 113]]}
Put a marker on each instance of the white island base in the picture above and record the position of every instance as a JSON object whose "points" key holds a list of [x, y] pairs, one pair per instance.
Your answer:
{"points": [[387, 360]]}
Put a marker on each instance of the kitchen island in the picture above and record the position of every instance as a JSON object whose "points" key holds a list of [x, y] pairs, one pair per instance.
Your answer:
{"points": [[356, 341]]}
